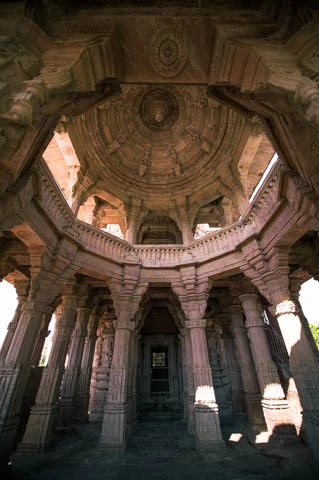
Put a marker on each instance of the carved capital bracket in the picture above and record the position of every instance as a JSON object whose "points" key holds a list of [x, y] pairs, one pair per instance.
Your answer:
{"points": [[126, 302], [285, 307], [193, 300]]}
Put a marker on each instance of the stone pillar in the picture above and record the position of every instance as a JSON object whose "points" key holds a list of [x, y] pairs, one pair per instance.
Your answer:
{"points": [[102, 366], [114, 427], [207, 427], [134, 218], [35, 371], [131, 231], [96, 360], [188, 380], [67, 398], [304, 367], [14, 373], [252, 397], [132, 377], [234, 373], [187, 234], [275, 407], [40, 428], [22, 287], [83, 396], [217, 361]]}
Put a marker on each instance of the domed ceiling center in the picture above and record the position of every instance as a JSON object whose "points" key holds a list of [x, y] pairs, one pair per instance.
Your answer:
{"points": [[159, 109]]}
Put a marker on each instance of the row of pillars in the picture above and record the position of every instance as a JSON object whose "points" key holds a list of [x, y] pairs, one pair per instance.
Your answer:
{"points": [[254, 376], [60, 403]]}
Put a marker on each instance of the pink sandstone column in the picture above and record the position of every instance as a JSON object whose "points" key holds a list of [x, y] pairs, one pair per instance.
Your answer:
{"points": [[131, 397], [102, 366], [35, 371], [304, 368], [208, 433], [275, 407], [252, 395], [14, 373], [40, 428], [83, 395], [234, 373], [67, 398], [114, 428], [188, 378]]}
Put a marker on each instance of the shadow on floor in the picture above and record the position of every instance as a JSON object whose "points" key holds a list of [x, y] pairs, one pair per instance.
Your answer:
{"points": [[161, 449]]}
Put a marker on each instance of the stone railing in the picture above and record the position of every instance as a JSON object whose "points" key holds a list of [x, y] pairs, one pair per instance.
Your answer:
{"points": [[212, 245]]}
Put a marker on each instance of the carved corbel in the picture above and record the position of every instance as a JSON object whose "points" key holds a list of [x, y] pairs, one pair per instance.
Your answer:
{"points": [[193, 301], [126, 302], [25, 106]]}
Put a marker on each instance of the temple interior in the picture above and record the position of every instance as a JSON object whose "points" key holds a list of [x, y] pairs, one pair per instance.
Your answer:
{"points": [[159, 198]]}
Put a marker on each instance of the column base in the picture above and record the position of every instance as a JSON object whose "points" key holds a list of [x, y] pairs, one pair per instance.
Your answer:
{"points": [[66, 418], [96, 416], [209, 439], [114, 430], [279, 422], [255, 414], [39, 433]]}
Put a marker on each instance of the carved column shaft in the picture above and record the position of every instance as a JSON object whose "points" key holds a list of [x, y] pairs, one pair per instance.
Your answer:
{"points": [[217, 358], [188, 380], [234, 374], [275, 406], [102, 367], [208, 433], [304, 368], [252, 396], [40, 428], [114, 428], [83, 395], [15, 372], [35, 371], [67, 399], [132, 377]]}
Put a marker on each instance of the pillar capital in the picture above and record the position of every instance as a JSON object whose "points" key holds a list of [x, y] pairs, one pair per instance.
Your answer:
{"points": [[236, 314], [193, 300], [285, 307], [196, 323], [252, 313], [127, 297]]}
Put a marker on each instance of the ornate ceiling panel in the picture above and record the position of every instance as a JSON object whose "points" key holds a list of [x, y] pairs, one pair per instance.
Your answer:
{"points": [[161, 144]]}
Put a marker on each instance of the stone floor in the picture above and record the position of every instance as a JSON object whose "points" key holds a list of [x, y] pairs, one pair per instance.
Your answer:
{"points": [[161, 449]]}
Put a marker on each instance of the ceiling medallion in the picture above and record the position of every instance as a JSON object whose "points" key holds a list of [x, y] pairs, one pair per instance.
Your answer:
{"points": [[159, 109], [168, 52]]}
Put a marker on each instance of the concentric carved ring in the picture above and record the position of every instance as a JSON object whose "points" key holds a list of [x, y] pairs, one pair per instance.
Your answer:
{"points": [[168, 52], [159, 109]]}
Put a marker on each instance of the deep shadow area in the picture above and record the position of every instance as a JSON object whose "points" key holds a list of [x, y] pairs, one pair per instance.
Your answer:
{"points": [[160, 448]]}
